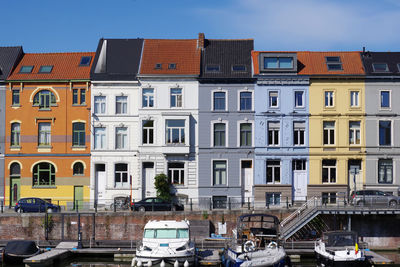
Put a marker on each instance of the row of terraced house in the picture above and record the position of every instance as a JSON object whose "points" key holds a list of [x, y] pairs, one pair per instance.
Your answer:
{"points": [[225, 123]]}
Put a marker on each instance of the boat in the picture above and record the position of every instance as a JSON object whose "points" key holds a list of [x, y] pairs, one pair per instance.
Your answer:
{"points": [[18, 250], [165, 242], [255, 243], [339, 248]]}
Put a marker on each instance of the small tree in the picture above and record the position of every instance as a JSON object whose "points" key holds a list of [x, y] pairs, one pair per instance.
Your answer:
{"points": [[162, 186]]}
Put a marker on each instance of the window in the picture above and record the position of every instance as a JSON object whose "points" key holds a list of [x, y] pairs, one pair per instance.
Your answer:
{"points": [[299, 99], [329, 197], [100, 138], [273, 133], [148, 132], [333, 63], [121, 105], [239, 68], [158, 66], [26, 69], [15, 170], [85, 61], [245, 100], [176, 173], [329, 132], [44, 174], [78, 96], [219, 101], [354, 133], [385, 99], [219, 172], [299, 165], [121, 175], [75, 96], [273, 171], [380, 67], [44, 99], [78, 168], [176, 98], [121, 138], [15, 97], [299, 128], [172, 66], [219, 202], [99, 104], [219, 134], [273, 99], [78, 134], [175, 132], [385, 171], [329, 99], [385, 133], [278, 62], [212, 68], [83, 97], [44, 135], [273, 198], [45, 69], [15, 134], [329, 171], [148, 98], [354, 99], [245, 134]]}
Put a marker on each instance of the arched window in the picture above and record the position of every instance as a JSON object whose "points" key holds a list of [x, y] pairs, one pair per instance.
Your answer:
{"points": [[78, 168], [44, 174], [15, 134], [15, 170], [44, 99]]}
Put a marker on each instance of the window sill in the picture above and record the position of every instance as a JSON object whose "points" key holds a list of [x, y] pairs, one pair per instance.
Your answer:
{"points": [[219, 111], [16, 106], [44, 148], [79, 175], [44, 187], [246, 111], [78, 148], [15, 148], [79, 105]]}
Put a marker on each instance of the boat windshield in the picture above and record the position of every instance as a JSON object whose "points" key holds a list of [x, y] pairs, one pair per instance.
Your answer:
{"points": [[166, 233], [341, 239]]}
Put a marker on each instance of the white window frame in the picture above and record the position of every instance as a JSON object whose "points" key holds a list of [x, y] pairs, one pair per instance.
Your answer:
{"points": [[303, 98], [176, 96], [45, 134], [227, 172], [301, 131], [354, 130], [273, 130], [239, 100], [273, 171], [329, 172], [141, 98], [329, 133], [100, 104], [391, 132], [148, 128], [124, 104], [226, 99], [167, 129], [277, 99], [239, 132], [126, 146], [226, 132], [331, 95], [182, 179], [122, 185], [355, 98], [95, 138], [380, 100]]}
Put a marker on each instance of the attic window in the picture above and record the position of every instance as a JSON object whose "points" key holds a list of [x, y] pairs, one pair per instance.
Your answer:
{"points": [[380, 67], [26, 69], [45, 69], [278, 62], [212, 68], [333, 63], [158, 66], [85, 61], [239, 68], [172, 66]]}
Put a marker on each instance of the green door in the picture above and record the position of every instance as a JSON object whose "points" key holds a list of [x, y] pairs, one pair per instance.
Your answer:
{"points": [[78, 196], [15, 187]]}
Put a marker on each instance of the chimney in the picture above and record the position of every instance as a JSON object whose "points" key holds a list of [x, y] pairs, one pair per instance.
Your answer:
{"points": [[200, 41]]}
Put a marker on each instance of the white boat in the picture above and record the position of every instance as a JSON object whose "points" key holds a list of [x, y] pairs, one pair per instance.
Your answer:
{"points": [[255, 243], [339, 248], [165, 242]]}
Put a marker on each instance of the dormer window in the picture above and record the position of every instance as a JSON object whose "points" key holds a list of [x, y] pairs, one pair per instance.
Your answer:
{"points": [[278, 62], [158, 66], [85, 61], [45, 69], [380, 67], [238, 68], [333, 63], [212, 68], [26, 69], [172, 66]]}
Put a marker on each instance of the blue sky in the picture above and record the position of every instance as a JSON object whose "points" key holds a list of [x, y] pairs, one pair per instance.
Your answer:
{"points": [[316, 25]]}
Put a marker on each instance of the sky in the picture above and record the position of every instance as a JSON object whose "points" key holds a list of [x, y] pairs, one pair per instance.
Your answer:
{"points": [[275, 25]]}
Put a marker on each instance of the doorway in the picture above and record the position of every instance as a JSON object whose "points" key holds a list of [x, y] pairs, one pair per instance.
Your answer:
{"points": [[355, 175], [148, 189], [100, 182], [78, 197], [247, 179], [299, 167]]}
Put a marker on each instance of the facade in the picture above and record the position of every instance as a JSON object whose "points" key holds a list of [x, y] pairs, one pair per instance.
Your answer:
{"points": [[168, 116], [336, 122], [47, 147], [226, 124], [281, 133], [9, 57], [382, 123], [115, 121]]}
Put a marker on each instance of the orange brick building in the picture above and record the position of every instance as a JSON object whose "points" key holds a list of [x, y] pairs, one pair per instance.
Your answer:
{"points": [[47, 150]]}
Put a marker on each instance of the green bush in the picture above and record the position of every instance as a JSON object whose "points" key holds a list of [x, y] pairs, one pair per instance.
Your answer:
{"points": [[162, 186]]}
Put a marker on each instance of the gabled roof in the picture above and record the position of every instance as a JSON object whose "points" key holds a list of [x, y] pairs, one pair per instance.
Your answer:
{"points": [[232, 57], [117, 59], [66, 66], [185, 54], [9, 57], [392, 59]]}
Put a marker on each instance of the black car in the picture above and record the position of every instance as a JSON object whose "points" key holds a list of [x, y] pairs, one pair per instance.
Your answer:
{"points": [[34, 204], [155, 204]]}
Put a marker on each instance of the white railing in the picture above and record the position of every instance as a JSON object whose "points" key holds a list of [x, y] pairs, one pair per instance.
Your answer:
{"points": [[311, 203]]}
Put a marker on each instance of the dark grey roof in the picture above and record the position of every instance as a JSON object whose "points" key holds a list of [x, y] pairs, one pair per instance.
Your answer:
{"points": [[122, 59], [392, 59], [226, 54], [9, 58]]}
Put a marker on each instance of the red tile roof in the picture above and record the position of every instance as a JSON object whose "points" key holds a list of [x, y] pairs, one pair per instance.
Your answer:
{"points": [[183, 53], [65, 66]]}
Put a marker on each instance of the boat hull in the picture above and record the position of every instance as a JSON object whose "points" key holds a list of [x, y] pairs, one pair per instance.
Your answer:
{"points": [[232, 259], [166, 259], [325, 261], [16, 259]]}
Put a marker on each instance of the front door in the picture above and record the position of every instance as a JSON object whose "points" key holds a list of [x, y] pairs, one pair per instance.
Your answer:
{"points": [[247, 179], [148, 178], [100, 176], [78, 197], [355, 175], [299, 180], [14, 190]]}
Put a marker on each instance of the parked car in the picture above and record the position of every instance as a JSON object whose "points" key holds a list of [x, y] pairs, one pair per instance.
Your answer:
{"points": [[373, 198], [155, 204], [34, 204]]}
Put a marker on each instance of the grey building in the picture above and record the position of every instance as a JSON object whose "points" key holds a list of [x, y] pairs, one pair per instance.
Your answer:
{"points": [[226, 123], [382, 123], [9, 58]]}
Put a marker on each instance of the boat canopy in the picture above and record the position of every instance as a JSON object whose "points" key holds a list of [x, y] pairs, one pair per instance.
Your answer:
{"points": [[340, 238]]}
